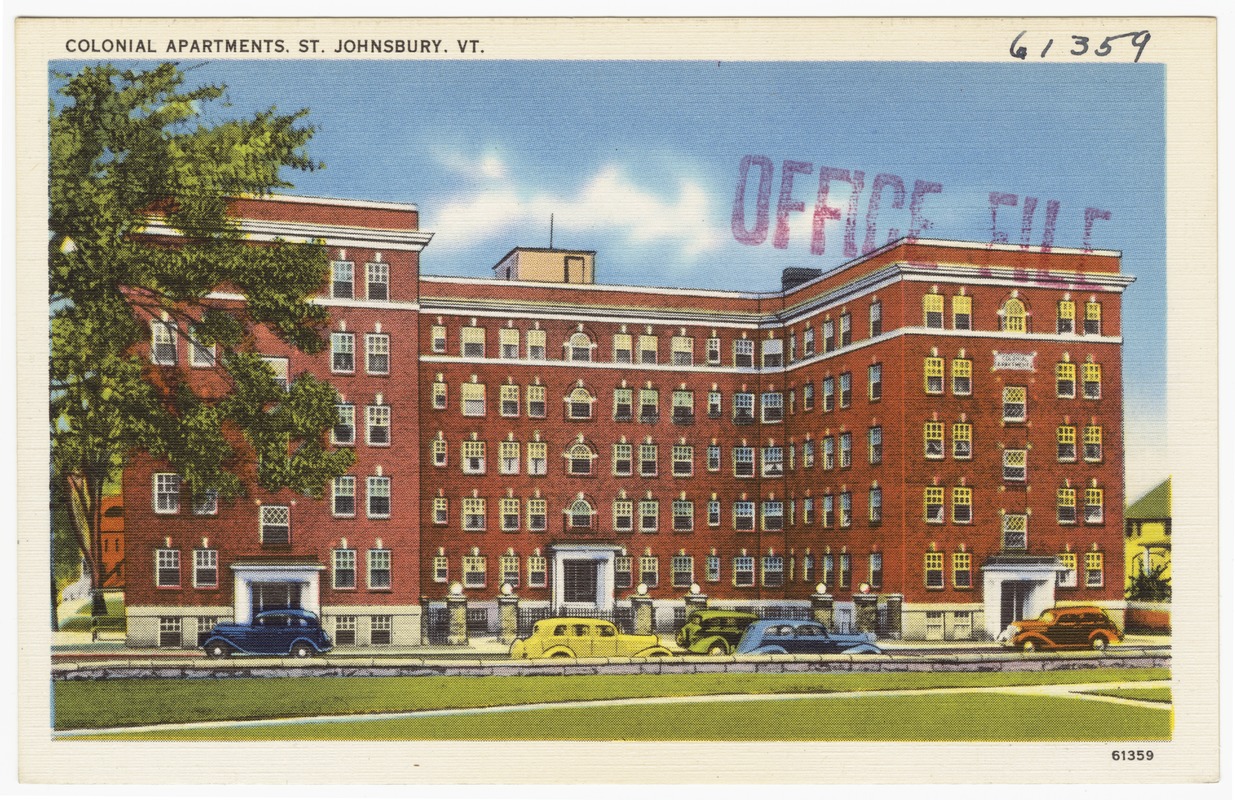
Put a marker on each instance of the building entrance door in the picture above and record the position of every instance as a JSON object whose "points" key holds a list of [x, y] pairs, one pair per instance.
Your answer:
{"points": [[1012, 600], [267, 596], [579, 578]]}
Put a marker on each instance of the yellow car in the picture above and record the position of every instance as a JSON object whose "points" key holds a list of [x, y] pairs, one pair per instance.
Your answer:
{"points": [[582, 637]]}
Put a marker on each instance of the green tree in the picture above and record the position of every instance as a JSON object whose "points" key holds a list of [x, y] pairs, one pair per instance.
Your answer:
{"points": [[133, 148]]}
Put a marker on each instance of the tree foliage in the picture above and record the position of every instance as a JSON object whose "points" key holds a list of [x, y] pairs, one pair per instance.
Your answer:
{"points": [[129, 151]]}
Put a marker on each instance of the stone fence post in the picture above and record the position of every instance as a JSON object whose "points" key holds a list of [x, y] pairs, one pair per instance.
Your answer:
{"points": [[456, 610]]}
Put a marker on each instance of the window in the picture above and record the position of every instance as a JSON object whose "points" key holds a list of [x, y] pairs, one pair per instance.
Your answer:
{"points": [[473, 341], [508, 457], [475, 569], [1065, 379], [1015, 531], [343, 496], [773, 571], [743, 462], [342, 284], [623, 405], [579, 459], [962, 571], [200, 355], [508, 342], [773, 353], [683, 460], [344, 572], [743, 408], [1092, 381], [876, 319], [377, 425], [962, 312], [579, 347], [714, 513], [829, 336], [1014, 409], [846, 329], [537, 571], [537, 514], [962, 440], [962, 504], [773, 462], [808, 510], [808, 568], [1065, 437], [441, 511], [649, 571], [622, 577], [875, 505], [163, 343], [808, 397], [962, 376], [743, 353], [874, 382], [829, 452], [808, 454], [846, 569], [509, 400], [713, 458], [683, 407], [166, 493], [170, 632], [846, 509], [713, 348], [473, 457], [379, 497], [1065, 316], [276, 525], [622, 454], [622, 347], [1093, 443], [1066, 576], [934, 571], [1093, 570], [205, 568], [714, 405], [379, 569], [683, 348], [344, 431], [380, 629], [874, 444], [1093, 506], [579, 515], [808, 341], [829, 394], [744, 571], [743, 516], [932, 432], [623, 515], [473, 513], [829, 569], [439, 453], [377, 353], [510, 570], [648, 346], [846, 389], [439, 396], [206, 503], [932, 499], [713, 568], [875, 573], [377, 281], [649, 405], [536, 344], [1093, 319], [933, 368], [1014, 465], [846, 450], [473, 395], [649, 515], [437, 335], [536, 402], [1065, 506], [932, 310], [537, 458], [647, 458], [683, 515], [579, 403]]}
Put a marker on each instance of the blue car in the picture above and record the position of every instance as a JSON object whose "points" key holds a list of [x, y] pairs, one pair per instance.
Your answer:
{"points": [[293, 632], [795, 636]]}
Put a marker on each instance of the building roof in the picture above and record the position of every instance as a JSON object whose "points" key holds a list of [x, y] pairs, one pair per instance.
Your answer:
{"points": [[1154, 504]]}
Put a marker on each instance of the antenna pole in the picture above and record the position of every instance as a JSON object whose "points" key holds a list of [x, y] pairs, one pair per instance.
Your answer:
{"points": [[550, 231]]}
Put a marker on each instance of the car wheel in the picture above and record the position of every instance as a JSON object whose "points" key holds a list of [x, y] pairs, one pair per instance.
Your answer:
{"points": [[718, 649], [218, 650], [658, 652], [560, 655], [1028, 646], [1099, 643], [302, 651]]}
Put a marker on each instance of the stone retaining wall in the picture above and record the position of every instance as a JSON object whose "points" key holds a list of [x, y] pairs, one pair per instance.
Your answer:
{"points": [[387, 668]]}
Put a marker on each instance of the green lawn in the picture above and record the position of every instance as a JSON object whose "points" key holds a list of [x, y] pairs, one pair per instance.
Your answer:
{"points": [[115, 703], [80, 621], [1152, 694]]}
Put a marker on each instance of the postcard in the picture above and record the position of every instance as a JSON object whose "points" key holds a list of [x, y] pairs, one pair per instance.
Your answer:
{"points": [[515, 401]]}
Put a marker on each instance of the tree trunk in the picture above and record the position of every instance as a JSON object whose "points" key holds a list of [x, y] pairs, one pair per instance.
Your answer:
{"points": [[55, 601]]}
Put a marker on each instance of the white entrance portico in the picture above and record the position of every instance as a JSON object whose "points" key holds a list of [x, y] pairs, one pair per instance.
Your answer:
{"points": [[1017, 587], [262, 586], [583, 575]]}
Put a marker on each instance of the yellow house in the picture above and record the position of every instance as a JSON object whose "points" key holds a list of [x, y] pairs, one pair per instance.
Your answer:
{"points": [[1147, 534]]}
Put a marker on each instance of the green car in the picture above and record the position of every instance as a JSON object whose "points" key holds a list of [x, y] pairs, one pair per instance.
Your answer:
{"points": [[714, 633]]}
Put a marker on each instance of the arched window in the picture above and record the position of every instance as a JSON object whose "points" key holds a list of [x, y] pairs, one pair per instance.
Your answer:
{"points": [[579, 347], [1012, 316], [579, 403], [580, 514], [579, 459]]}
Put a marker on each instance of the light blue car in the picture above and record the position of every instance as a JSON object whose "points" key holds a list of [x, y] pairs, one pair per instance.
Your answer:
{"points": [[795, 636]]}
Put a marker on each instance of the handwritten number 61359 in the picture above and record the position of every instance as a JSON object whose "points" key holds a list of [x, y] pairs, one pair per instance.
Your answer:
{"points": [[1081, 45]]}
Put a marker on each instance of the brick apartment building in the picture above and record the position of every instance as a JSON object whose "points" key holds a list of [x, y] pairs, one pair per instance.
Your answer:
{"points": [[936, 421]]}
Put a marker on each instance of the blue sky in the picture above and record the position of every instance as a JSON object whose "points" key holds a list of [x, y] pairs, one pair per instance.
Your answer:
{"points": [[640, 162]]}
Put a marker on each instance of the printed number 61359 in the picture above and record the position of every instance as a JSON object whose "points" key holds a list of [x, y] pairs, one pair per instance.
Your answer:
{"points": [[1132, 755]]}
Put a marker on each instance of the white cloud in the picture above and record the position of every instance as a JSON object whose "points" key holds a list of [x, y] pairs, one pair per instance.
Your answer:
{"points": [[607, 204]]}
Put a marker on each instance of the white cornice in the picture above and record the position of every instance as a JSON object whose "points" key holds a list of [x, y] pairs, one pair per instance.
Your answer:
{"points": [[329, 201], [331, 235]]}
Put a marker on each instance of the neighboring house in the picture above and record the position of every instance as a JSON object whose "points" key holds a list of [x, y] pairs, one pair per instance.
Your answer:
{"points": [[880, 425], [112, 535], [1147, 534]]}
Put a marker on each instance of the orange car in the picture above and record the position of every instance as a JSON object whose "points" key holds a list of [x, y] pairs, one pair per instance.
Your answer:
{"points": [[1062, 628]]}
